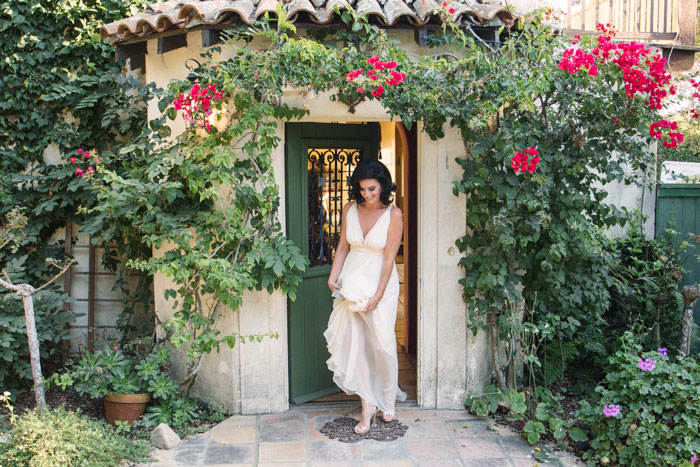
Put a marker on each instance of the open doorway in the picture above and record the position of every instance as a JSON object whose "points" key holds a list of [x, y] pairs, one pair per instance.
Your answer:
{"points": [[398, 150]]}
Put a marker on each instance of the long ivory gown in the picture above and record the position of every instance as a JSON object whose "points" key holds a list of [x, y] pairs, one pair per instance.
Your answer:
{"points": [[363, 345]]}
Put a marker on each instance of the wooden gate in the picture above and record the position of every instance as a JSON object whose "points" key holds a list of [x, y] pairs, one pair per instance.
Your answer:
{"points": [[678, 207]]}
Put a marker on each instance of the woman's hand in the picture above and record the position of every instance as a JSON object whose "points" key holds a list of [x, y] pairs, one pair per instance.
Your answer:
{"points": [[371, 304], [332, 285]]}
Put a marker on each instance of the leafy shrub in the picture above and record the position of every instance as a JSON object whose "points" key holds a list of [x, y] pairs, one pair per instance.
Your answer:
{"points": [[51, 319], [541, 415], [135, 367], [645, 289], [119, 369], [176, 411], [659, 410], [59, 437]]}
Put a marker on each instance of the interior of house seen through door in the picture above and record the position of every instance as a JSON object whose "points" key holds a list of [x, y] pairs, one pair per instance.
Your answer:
{"points": [[397, 152]]}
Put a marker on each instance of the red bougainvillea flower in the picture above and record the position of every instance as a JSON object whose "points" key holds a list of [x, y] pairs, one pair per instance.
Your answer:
{"points": [[378, 73], [79, 172], [79, 151], [656, 130], [522, 163], [395, 78], [354, 74], [197, 103], [379, 91], [444, 3], [452, 11], [72, 160]]}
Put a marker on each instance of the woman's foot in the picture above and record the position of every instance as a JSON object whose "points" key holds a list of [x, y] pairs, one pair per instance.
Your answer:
{"points": [[387, 417], [362, 428]]}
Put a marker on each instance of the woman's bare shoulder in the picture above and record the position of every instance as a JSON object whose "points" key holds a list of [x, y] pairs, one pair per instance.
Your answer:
{"points": [[395, 212]]}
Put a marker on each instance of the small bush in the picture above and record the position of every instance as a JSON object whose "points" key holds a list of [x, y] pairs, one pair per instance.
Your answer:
{"points": [[645, 292], [60, 438], [658, 415], [51, 320]]}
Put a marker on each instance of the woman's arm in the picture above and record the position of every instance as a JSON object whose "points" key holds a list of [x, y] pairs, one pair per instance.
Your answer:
{"points": [[341, 251], [393, 241]]}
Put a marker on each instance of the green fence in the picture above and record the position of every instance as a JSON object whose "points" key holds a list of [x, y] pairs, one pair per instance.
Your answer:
{"points": [[678, 207]]}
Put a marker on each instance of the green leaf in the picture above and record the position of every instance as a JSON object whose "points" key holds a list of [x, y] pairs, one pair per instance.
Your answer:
{"points": [[577, 434]]}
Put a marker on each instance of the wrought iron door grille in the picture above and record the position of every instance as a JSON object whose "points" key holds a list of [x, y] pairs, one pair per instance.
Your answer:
{"points": [[329, 171]]}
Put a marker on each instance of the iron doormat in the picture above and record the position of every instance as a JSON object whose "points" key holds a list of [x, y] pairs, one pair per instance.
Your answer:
{"points": [[343, 429]]}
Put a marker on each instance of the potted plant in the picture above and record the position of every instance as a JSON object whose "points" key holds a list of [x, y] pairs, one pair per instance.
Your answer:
{"points": [[125, 376]]}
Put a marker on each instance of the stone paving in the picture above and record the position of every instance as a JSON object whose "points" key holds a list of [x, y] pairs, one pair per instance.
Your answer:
{"points": [[440, 438]]}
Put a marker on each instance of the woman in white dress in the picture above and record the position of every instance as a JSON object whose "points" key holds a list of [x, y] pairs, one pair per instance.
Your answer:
{"points": [[360, 334]]}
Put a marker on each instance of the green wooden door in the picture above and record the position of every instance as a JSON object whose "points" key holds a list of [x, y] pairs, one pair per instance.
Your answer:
{"points": [[678, 207], [319, 160]]}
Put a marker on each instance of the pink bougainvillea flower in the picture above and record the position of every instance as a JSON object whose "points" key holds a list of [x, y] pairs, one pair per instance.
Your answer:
{"points": [[372, 60], [611, 410], [91, 170], [79, 151], [361, 90], [86, 155], [444, 3], [72, 160], [451, 10], [79, 172]]}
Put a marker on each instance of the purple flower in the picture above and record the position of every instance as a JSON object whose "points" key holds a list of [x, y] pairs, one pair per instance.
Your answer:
{"points": [[116, 347], [611, 410], [663, 351], [694, 459], [646, 365], [63, 399]]}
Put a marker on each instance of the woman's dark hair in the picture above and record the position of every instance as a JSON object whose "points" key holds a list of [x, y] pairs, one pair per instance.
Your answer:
{"points": [[371, 169]]}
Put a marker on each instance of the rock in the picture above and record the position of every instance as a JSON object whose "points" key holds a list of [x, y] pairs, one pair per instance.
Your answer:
{"points": [[163, 437]]}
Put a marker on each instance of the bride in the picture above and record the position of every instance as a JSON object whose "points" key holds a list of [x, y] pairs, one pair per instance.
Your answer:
{"points": [[364, 282]]}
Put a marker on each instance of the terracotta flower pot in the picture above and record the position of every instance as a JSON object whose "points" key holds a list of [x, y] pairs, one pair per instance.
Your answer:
{"points": [[125, 407]]}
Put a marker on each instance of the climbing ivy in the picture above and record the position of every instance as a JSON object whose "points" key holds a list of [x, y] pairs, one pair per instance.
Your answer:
{"points": [[61, 89]]}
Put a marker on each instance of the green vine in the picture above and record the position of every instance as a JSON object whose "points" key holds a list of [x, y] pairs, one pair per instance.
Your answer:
{"points": [[60, 89]]}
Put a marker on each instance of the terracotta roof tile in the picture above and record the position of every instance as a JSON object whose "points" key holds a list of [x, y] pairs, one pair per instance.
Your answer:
{"points": [[178, 14]]}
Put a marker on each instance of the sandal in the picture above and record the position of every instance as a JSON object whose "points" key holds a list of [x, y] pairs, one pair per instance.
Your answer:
{"points": [[364, 429]]}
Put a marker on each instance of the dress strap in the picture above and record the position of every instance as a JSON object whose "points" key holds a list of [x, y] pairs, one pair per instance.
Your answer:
{"points": [[390, 206]]}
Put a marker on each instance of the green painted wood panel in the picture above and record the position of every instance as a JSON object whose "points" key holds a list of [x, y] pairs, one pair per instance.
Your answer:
{"points": [[309, 377], [677, 207]]}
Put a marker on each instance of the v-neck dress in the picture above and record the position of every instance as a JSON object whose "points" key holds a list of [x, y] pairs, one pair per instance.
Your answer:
{"points": [[363, 345]]}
